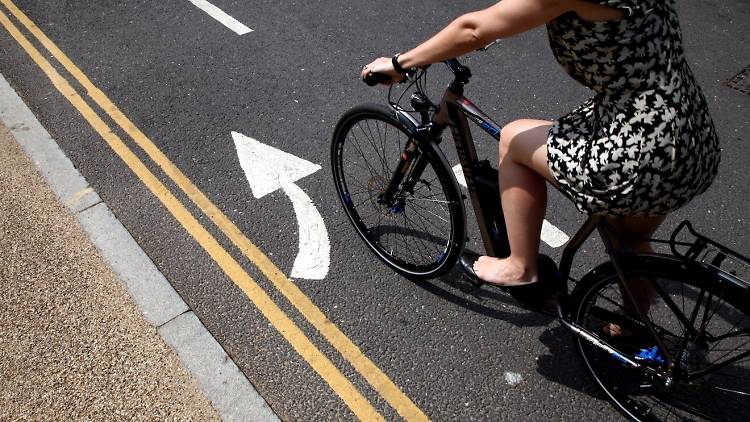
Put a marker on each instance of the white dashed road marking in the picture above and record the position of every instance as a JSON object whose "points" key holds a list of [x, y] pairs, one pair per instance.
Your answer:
{"points": [[512, 378], [221, 16], [459, 172], [551, 235]]}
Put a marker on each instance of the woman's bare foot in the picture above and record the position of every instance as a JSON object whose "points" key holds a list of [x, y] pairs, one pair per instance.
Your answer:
{"points": [[503, 272], [612, 330], [644, 292]]}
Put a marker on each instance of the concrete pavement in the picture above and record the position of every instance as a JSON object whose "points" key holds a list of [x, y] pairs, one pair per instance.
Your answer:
{"points": [[75, 346]]}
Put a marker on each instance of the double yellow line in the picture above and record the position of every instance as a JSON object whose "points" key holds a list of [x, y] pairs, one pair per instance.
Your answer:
{"points": [[353, 398]]}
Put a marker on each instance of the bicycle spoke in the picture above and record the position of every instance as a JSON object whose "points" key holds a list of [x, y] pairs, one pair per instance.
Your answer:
{"points": [[730, 361], [419, 239], [358, 192], [371, 141], [434, 215], [367, 168], [425, 185], [375, 212], [699, 323], [417, 228], [424, 229], [383, 145], [725, 375], [742, 393], [738, 397], [413, 227], [370, 169], [432, 223], [733, 334], [428, 200], [360, 184], [383, 159], [676, 311]]}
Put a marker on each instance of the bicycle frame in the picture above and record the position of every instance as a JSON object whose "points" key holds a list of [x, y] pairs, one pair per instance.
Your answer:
{"points": [[455, 111]]}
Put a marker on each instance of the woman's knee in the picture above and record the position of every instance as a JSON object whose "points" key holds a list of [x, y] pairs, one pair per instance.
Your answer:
{"points": [[509, 135], [521, 139]]}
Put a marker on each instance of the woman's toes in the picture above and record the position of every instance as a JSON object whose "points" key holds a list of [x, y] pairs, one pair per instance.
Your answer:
{"points": [[485, 266], [500, 271]]}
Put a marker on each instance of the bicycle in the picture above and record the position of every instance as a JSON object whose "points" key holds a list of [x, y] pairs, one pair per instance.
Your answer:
{"points": [[686, 355]]}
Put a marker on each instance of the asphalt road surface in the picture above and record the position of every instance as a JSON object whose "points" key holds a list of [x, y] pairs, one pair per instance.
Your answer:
{"points": [[174, 83]]}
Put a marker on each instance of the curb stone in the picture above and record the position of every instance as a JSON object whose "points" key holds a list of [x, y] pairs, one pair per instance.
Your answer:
{"points": [[230, 392]]}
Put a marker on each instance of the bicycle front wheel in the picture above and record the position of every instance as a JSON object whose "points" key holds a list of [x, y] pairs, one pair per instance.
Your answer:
{"points": [[418, 227], [699, 369]]}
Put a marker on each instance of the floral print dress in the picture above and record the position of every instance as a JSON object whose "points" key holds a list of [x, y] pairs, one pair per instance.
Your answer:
{"points": [[645, 144]]}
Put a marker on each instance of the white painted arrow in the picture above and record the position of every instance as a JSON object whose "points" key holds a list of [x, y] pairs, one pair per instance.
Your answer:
{"points": [[267, 170]]}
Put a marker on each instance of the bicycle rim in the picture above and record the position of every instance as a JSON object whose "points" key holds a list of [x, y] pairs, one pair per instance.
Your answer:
{"points": [[704, 324], [420, 232]]}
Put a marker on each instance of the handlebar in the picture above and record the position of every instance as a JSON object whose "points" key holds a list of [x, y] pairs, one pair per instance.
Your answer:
{"points": [[461, 72], [372, 78]]}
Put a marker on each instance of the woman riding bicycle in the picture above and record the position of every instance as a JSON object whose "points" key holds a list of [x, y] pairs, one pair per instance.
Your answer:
{"points": [[642, 147]]}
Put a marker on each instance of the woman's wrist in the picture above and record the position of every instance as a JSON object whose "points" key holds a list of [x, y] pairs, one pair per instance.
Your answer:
{"points": [[397, 66], [405, 61]]}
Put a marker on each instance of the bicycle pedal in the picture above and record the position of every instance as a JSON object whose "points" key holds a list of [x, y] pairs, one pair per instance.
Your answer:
{"points": [[535, 296]]}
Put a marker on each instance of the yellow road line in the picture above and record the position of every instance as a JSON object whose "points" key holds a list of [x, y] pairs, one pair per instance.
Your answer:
{"points": [[379, 381], [319, 362]]}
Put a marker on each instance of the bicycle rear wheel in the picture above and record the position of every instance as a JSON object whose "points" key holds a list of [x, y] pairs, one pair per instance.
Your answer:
{"points": [[419, 232], [703, 322]]}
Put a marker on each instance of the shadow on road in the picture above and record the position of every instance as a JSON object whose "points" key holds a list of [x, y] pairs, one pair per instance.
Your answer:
{"points": [[493, 303], [561, 364]]}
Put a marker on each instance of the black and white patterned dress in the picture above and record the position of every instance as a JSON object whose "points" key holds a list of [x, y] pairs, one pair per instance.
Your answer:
{"points": [[645, 144]]}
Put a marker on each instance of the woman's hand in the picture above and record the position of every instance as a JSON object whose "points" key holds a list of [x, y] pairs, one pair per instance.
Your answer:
{"points": [[384, 66]]}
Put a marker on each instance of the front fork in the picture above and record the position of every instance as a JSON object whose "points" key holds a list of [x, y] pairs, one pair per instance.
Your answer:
{"points": [[411, 159]]}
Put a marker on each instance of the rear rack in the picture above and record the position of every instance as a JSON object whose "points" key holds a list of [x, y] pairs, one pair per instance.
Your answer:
{"points": [[689, 245]]}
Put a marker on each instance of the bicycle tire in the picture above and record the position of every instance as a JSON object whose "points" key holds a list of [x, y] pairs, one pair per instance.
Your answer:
{"points": [[720, 393], [422, 236]]}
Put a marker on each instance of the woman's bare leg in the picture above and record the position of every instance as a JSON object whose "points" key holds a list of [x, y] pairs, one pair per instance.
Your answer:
{"points": [[523, 176], [642, 289], [634, 229]]}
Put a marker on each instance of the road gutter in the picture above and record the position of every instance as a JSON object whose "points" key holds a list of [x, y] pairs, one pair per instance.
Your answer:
{"points": [[230, 392]]}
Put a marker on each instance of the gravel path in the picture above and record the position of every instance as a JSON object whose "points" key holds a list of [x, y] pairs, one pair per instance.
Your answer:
{"points": [[73, 345]]}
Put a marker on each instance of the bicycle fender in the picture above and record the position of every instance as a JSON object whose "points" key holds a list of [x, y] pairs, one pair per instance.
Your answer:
{"points": [[654, 260], [406, 119]]}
